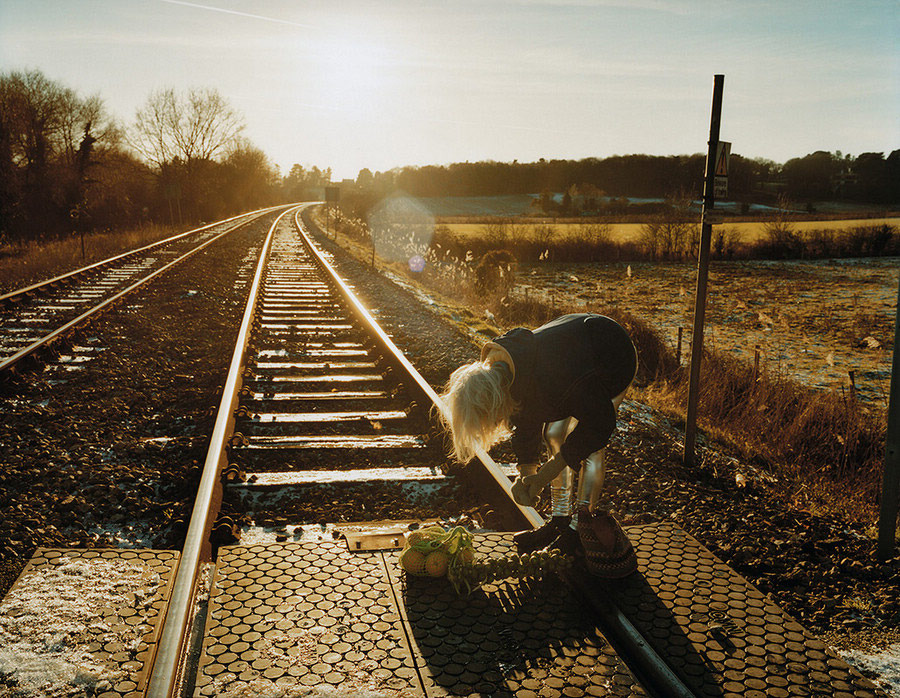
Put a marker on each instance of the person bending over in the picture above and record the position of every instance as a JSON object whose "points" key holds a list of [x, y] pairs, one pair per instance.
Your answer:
{"points": [[562, 382]]}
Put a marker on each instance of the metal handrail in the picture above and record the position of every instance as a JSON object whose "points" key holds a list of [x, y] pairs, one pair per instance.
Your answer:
{"points": [[494, 470], [173, 638]]}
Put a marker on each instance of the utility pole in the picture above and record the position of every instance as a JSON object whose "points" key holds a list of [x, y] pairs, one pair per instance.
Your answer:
{"points": [[713, 155]]}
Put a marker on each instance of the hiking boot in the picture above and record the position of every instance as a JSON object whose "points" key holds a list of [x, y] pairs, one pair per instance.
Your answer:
{"points": [[527, 541], [567, 542], [607, 551]]}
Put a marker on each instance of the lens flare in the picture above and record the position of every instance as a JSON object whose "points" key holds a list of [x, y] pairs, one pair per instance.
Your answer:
{"points": [[417, 263], [402, 229]]}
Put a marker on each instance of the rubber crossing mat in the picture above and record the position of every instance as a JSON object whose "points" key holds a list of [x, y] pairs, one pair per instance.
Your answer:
{"points": [[293, 615], [720, 635], [84, 622]]}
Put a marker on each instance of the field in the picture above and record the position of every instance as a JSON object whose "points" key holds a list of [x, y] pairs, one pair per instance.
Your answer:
{"points": [[812, 321], [747, 231]]}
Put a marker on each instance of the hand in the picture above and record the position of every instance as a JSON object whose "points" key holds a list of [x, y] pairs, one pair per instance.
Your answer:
{"points": [[526, 489]]}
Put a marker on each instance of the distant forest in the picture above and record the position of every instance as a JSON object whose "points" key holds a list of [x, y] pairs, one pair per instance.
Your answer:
{"points": [[868, 178], [68, 166]]}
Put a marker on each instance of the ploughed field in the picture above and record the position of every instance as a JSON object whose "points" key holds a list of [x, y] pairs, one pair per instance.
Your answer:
{"points": [[812, 321]]}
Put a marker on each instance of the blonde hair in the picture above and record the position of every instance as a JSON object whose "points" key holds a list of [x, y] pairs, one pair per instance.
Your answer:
{"points": [[479, 405]]}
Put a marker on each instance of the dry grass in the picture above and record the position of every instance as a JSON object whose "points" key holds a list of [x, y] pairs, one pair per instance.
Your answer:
{"points": [[747, 232], [27, 263], [828, 447], [825, 447]]}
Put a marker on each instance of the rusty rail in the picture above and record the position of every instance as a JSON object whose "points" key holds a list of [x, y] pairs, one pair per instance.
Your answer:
{"points": [[390, 349], [166, 670]]}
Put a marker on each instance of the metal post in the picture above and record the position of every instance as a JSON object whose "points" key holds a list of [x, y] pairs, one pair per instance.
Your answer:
{"points": [[709, 201], [890, 488]]}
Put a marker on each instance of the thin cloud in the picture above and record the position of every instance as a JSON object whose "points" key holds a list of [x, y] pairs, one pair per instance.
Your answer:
{"points": [[211, 8]]}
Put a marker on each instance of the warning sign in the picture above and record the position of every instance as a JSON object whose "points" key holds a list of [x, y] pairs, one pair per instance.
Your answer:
{"points": [[720, 191], [723, 154]]}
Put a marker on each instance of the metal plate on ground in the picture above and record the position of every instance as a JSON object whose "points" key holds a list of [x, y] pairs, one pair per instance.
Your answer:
{"points": [[86, 621], [721, 635], [291, 615]]}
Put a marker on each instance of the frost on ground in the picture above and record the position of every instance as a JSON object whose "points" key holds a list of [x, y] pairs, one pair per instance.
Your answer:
{"points": [[295, 650], [59, 630], [263, 688], [885, 665]]}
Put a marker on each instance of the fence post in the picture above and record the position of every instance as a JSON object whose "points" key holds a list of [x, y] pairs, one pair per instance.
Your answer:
{"points": [[678, 349]]}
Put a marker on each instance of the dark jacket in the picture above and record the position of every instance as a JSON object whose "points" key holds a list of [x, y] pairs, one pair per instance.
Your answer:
{"points": [[571, 367]]}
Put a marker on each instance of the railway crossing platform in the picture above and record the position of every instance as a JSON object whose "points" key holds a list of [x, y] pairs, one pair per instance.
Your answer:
{"points": [[291, 616]]}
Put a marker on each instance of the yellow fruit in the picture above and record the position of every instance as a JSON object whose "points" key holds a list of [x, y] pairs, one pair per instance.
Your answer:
{"points": [[436, 563], [413, 561]]}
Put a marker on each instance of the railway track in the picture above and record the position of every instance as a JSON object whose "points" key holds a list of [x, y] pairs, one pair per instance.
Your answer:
{"points": [[320, 406], [35, 320], [319, 403]]}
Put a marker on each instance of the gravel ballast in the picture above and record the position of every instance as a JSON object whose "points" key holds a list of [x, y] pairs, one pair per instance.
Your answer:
{"points": [[112, 456]]}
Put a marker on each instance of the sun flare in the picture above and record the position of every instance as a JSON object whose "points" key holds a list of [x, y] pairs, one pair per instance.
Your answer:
{"points": [[354, 75]]}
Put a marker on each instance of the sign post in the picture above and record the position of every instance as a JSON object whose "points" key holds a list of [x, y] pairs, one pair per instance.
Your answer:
{"points": [[890, 489], [714, 158], [332, 196]]}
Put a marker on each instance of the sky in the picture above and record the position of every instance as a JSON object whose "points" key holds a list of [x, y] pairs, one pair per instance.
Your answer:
{"points": [[352, 84]]}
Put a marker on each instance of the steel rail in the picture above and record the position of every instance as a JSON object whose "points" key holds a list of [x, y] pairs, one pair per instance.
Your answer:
{"points": [[388, 346], [48, 339], [97, 265], [654, 672], [168, 663]]}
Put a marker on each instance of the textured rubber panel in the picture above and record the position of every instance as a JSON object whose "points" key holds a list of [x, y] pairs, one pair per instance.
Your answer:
{"points": [[525, 638], [290, 615], [720, 634], [103, 609], [303, 614]]}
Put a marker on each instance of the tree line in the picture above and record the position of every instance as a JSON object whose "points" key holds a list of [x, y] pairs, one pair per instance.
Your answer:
{"points": [[868, 178], [67, 165]]}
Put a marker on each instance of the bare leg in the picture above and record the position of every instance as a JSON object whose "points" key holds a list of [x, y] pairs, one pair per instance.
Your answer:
{"points": [[593, 474], [590, 483], [555, 434]]}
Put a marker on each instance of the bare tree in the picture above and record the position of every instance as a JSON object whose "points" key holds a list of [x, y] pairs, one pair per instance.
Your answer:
{"points": [[47, 139], [196, 125], [673, 233]]}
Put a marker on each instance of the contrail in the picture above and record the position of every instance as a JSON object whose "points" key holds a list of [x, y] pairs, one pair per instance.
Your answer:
{"points": [[239, 14]]}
